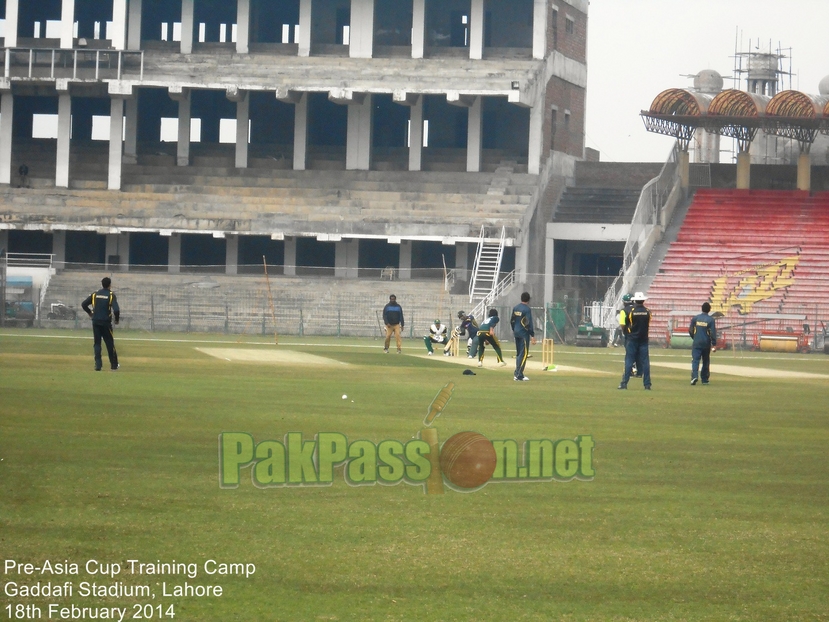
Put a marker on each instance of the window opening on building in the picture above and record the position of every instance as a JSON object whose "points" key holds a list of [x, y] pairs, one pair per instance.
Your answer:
{"points": [[570, 25], [44, 126]]}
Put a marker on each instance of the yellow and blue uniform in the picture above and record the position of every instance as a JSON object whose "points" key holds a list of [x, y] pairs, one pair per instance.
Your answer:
{"points": [[104, 307], [486, 335], [521, 321], [637, 324], [703, 329]]}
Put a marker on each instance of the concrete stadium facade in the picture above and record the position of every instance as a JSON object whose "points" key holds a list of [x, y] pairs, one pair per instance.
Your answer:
{"points": [[337, 134]]}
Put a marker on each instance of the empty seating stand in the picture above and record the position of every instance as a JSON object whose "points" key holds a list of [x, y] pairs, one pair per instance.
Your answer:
{"points": [[761, 257]]}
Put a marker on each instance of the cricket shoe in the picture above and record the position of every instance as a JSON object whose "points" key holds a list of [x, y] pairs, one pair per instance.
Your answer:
{"points": [[521, 379], [693, 381], [385, 350], [502, 364], [429, 353], [480, 363]]}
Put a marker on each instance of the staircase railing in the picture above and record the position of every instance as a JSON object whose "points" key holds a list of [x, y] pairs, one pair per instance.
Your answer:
{"points": [[645, 220]]}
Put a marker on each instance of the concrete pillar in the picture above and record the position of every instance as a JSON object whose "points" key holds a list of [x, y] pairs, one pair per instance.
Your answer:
{"points": [[743, 170], [187, 25], [242, 26], [346, 259], [301, 133], [118, 244], [416, 135], [59, 249], [362, 29], [804, 172], [131, 132], [473, 138], [231, 254], [64, 133], [6, 118], [183, 145], [304, 42], [358, 137], [242, 129], [116, 131], [476, 30], [404, 270], [684, 165], [134, 25], [289, 267], [174, 254], [540, 29], [535, 143], [549, 250], [462, 261], [418, 28], [67, 24], [119, 24], [4, 240], [12, 11], [124, 251]]}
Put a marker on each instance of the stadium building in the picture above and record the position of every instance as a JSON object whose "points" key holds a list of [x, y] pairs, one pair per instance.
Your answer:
{"points": [[349, 148], [344, 138]]}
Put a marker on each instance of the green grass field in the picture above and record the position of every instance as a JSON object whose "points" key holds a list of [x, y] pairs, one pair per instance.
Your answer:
{"points": [[708, 503]]}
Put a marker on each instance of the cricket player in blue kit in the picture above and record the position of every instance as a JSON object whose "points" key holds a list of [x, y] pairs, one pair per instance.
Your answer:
{"points": [[521, 322]]}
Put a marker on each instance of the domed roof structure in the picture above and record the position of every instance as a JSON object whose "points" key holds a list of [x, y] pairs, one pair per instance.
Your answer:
{"points": [[708, 81], [823, 87]]}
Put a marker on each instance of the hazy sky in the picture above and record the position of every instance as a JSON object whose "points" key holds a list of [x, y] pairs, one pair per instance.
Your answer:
{"points": [[638, 48]]}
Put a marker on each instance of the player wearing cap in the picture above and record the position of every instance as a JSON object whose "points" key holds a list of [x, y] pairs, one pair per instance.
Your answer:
{"points": [[437, 334], [468, 326], [636, 343], [627, 306]]}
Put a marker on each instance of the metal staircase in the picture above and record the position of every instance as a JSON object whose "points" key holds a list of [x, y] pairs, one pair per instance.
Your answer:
{"points": [[484, 286]]}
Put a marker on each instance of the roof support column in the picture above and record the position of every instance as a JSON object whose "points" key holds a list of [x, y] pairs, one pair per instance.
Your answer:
{"points": [[116, 130], [134, 25], [12, 12], [539, 29], [358, 138], [289, 261], [473, 139], [476, 30], [301, 135], [64, 135], [6, 118], [182, 96], [242, 99], [416, 135], [743, 170], [187, 22], [59, 249], [684, 164], [174, 253], [804, 171], [404, 269], [231, 254], [304, 28], [418, 28], [242, 26], [362, 29], [119, 24], [346, 258], [131, 131], [67, 24], [535, 140]]}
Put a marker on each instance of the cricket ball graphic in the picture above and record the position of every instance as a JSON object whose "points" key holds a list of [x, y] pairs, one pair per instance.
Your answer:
{"points": [[468, 460]]}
